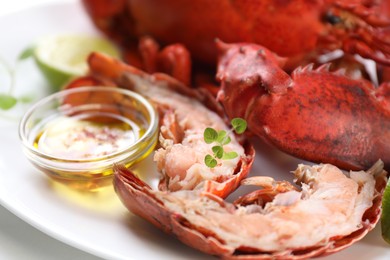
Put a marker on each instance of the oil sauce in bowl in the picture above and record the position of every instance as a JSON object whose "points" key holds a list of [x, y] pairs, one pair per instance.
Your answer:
{"points": [[75, 136]]}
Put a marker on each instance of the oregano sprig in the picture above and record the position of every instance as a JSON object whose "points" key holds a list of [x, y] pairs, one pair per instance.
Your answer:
{"points": [[221, 138]]}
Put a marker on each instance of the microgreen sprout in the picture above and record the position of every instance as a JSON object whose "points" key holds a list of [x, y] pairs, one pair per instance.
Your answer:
{"points": [[221, 138], [7, 100]]}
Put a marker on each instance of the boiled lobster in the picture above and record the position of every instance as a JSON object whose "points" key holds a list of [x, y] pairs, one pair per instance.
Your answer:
{"points": [[307, 111], [297, 29]]}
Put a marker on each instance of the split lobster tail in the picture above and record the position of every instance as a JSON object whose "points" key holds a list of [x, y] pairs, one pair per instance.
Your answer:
{"points": [[274, 222]]}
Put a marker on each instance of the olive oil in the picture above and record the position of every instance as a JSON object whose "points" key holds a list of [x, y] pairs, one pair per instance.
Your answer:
{"points": [[74, 139], [84, 142]]}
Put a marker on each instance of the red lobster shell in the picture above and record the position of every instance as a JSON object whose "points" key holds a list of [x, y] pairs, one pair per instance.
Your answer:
{"points": [[313, 114], [291, 28]]}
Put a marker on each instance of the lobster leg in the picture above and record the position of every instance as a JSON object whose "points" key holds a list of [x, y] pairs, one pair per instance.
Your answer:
{"points": [[368, 32], [173, 60]]}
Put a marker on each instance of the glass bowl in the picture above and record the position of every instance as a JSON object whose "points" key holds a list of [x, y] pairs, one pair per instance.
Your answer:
{"points": [[75, 136]]}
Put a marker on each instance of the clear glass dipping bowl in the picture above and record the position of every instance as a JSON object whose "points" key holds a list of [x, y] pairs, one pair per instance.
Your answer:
{"points": [[75, 136]]}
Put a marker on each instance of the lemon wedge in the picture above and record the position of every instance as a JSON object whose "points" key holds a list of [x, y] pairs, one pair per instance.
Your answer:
{"points": [[62, 57]]}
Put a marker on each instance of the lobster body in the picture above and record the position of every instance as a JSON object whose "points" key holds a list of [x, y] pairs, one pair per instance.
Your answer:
{"points": [[298, 29], [313, 114], [198, 24]]}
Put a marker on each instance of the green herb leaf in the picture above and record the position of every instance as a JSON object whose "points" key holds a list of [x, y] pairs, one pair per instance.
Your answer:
{"points": [[239, 125], [222, 138], [210, 135], [27, 53], [210, 161], [218, 151], [221, 135], [229, 155], [226, 140], [7, 101]]}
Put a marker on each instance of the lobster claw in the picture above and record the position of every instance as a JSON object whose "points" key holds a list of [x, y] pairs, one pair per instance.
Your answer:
{"points": [[223, 48], [276, 82]]}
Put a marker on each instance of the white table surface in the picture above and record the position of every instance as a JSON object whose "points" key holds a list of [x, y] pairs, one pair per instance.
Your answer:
{"points": [[19, 240]]}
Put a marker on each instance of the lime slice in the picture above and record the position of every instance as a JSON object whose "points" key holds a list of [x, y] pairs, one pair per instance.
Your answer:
{"points": [[62, 57], [385, 218]]}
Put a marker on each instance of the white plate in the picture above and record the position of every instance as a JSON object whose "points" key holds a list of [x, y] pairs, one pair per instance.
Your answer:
{"points": [[104, 228]]}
